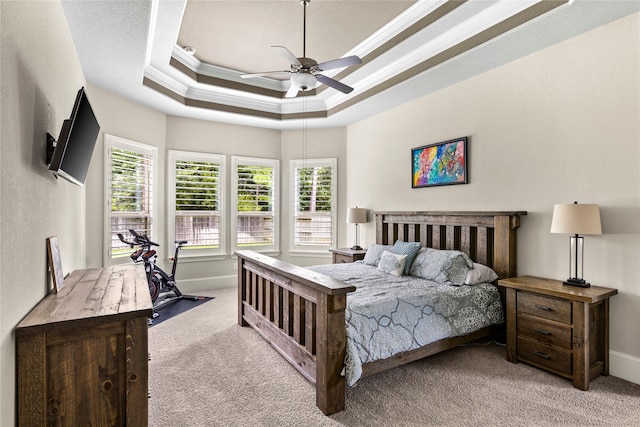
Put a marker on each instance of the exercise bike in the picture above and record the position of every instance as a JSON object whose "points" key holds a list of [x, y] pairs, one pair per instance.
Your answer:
{"points": [[160, 283]]}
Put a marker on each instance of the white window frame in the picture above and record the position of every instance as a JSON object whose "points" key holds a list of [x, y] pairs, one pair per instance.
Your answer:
{"points": [[313, 163], [111, 142], [220, 160], [274, 248]]}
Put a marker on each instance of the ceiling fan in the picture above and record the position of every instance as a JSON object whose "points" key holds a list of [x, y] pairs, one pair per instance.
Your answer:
{"points": [[306, 71]]}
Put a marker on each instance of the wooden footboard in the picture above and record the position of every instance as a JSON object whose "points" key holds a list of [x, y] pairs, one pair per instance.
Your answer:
{"points": [[302, 315]]}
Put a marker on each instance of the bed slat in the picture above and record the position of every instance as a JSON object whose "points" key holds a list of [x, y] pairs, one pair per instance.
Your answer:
{"points": [[299, 318], [436, 238]]}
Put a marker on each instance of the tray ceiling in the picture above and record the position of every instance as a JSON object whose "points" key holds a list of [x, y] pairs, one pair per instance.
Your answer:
{"points": [[409, 49]]}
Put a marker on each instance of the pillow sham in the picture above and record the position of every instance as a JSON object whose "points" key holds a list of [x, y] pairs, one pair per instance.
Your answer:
{"points": [[443, 266], [392, 263], [480, 273], [410, 249], [374, 253]]}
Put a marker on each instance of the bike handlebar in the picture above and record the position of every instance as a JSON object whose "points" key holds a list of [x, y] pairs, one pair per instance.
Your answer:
{"points": [[121, 237], [142, 239]]}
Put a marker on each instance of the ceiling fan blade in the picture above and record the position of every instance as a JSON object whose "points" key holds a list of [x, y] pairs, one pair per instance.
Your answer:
{"points": [[266, 73], [286, 54], [334, 83], [347, 61], [292, 92]]}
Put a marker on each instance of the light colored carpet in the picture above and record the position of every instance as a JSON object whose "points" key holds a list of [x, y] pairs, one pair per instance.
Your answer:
{"points": [[205, 370]]}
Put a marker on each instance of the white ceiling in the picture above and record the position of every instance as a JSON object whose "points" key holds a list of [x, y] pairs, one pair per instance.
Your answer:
{"points": [[409, 49]]}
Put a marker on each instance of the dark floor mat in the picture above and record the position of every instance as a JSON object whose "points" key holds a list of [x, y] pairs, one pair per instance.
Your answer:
{"points": [[172, 308]]}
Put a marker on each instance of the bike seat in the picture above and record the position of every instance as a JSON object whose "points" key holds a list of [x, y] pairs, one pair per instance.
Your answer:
{"points": [[181, 242]]}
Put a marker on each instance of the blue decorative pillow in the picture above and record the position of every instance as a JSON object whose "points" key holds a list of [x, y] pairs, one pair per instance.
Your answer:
{"points": [[410, 249], [374, 253], [442, 266], [392, 263]]}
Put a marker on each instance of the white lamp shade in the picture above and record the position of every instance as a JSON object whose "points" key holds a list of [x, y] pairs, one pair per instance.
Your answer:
{"points": [[303, 81], [356, 215], [576, 219]]}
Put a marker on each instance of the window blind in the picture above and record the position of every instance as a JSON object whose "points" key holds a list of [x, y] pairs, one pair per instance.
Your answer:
{"points": [[313, 208], [197, 203], [131, 196], [255, 204]]}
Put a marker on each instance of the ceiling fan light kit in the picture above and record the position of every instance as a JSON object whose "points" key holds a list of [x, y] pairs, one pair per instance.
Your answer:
{"points": [[303, 81], [305, 72]]}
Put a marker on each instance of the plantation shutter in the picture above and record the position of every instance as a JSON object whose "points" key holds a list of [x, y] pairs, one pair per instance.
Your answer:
{"points": [[314, 204], [255, 203], [197, 200], [131, 192]]}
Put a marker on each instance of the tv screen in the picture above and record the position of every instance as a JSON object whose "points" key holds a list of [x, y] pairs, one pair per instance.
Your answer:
{"points": [[73, 151]]}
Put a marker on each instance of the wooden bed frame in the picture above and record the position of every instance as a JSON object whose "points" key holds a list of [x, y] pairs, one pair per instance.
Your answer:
{"points": [[301, 313]]}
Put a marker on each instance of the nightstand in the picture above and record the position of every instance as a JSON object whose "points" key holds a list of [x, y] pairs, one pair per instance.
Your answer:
{"points": [[562, 329], [347, 255]]}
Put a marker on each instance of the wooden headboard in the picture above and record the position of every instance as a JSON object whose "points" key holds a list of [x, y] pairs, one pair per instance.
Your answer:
{"points": [[487, 237]]}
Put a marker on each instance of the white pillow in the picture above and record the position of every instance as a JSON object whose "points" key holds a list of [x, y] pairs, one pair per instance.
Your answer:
{"points": [[392, 263], [480, 274]]}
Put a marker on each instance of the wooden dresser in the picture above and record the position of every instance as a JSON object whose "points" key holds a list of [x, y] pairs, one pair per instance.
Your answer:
{"points": [[82, 353], [563, 329]]}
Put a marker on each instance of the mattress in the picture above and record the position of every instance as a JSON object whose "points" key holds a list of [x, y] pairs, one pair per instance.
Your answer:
{"points": [[387, 314]]}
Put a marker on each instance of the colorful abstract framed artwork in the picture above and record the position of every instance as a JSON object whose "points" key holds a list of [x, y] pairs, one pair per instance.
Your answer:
{"points": [[443, 163]]}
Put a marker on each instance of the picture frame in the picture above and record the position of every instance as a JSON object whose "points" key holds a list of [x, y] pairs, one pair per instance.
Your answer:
{"points": [[55, 263], [442, 163]]}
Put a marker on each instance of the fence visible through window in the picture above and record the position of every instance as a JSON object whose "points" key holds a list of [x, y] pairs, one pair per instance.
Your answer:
{"points": [[122, 224], [254, 230], [200, 229], [313, 230]]}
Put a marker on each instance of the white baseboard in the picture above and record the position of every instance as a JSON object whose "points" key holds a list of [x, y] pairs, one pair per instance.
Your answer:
{"points": [[188, 286], [624, 366]]}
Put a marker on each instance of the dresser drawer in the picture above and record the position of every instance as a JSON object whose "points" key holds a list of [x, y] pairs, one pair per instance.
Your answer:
{"points": [[544, 307], [544, 356], [340, 258], [545, 332]]}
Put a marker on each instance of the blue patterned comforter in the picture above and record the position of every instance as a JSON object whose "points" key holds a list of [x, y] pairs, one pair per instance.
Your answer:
{"points": [[387, 314]]}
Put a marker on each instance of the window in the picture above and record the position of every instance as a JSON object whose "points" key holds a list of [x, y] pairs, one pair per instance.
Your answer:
{"points": [[314, 204], [130, 172], [255, 204], [195, 201]]}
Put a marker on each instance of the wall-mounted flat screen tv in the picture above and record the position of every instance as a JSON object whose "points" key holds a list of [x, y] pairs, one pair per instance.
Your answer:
{"points": [[72, 153]]}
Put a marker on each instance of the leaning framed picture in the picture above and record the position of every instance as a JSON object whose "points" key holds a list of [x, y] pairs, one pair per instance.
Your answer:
{"points": [[55, 263], [443, 163]]}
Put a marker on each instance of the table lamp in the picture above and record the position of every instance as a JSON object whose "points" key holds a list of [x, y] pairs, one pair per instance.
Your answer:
{"points": [[576, 219], [357, 216]]}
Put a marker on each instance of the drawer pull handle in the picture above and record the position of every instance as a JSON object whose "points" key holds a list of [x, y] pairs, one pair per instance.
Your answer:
{"points": [[543, 355], [542, 307], [542, 331]]}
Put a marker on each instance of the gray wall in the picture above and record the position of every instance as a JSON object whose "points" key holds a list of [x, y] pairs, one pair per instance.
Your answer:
{"points": [[129, 120], [132, 121], [557, 126], [40, 75], [218, 138], [320, 144]]}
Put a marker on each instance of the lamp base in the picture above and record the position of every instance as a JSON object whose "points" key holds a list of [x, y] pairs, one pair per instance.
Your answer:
{"points": [[576, 282], [356, 248]]}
